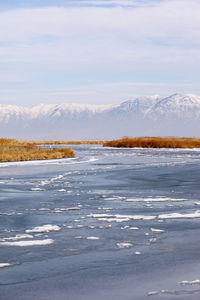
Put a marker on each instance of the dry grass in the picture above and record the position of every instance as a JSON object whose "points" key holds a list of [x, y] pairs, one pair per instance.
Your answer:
{"points": [[13, 150], [154, 142], [64, 142]]}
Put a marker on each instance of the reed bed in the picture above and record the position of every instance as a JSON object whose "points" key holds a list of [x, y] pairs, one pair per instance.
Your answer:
{"points": [[14, 150], [154, 142]]}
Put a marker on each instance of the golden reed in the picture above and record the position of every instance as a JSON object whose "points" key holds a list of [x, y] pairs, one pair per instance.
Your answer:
{"points": [[154, 142], [14, 150]]}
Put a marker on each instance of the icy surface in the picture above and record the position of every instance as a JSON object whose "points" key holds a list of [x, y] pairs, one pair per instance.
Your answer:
{"points": [[109, 224]]}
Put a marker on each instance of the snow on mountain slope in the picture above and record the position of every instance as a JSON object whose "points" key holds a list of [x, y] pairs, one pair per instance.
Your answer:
{"points": [[66, 110], [12, 112], [181, 106], [138, 106]]}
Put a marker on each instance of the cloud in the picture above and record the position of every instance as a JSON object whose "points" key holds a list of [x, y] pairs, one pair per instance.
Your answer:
{"points": [[158, 42], [134, 3], [110, 93]]}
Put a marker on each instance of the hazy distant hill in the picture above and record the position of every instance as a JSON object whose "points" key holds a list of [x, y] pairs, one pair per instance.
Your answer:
{"points": [[150, 115]]}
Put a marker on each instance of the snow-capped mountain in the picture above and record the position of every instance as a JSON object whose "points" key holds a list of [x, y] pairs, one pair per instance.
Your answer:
{"points": [[139, 105], [182, 106], [147, 115], [66, 110]]}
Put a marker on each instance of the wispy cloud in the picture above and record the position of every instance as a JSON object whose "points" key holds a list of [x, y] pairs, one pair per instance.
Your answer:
{"points": [[76, 46], [130, 3], [109, 93]]}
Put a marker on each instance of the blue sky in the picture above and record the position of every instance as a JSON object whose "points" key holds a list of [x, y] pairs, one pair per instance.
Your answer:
{"points": [[97, 51]]}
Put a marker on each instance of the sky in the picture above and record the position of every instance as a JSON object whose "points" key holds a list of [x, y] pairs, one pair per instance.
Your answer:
{"points": [[97, 51]]}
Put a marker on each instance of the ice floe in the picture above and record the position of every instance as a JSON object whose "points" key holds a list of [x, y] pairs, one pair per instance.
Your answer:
{"points": [[107, 226], [93, 238], [195, 214], [186, 282], [36, 189], [120, 218], [51, 180], [157, 199], [124, 245], [63, 209], [104, 208], [114, 198], [4, 265], [44, 228], [129, 227], [18, 237], [157, 230], [153, 240], [153, 293], [74, 227], [125, 218], [173, 292], [28, 243]]}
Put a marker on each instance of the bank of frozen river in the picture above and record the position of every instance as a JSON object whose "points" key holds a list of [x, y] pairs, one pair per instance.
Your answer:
{"points": [[111, 223]]}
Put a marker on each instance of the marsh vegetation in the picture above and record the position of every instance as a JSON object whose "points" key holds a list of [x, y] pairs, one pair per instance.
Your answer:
{"points": [[14, 150], [154, 142]]}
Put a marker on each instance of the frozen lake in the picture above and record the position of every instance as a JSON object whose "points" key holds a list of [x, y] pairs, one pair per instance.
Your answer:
{"points": [[109, 224]]}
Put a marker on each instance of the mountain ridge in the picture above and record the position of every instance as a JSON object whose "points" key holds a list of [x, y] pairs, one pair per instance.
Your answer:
{"points": [[176, 114]]}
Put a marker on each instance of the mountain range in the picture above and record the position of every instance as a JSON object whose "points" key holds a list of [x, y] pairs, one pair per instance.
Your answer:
{"points": [[176, 115]]}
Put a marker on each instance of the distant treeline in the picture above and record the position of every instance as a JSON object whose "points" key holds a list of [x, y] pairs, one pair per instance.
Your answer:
{"points": [[154, 142], [14, 150]]}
